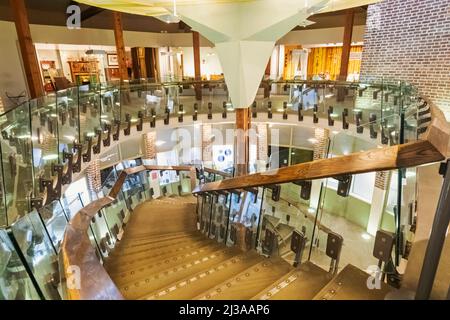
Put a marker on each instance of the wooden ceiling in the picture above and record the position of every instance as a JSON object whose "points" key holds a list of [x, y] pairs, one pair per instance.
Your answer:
{"points": [[51, 12]]}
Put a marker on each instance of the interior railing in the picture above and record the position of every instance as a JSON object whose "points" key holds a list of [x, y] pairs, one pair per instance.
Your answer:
{"points": [[220, 213], [305, 200], [46, 141], [132, 187]]}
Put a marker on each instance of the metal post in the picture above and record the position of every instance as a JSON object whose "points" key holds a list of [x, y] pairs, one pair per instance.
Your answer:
{"points": [[258, 230], [228, 219], [437, 238]]}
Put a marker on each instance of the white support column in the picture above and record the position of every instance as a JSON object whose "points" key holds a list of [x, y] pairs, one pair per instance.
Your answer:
{"points": [[207, 145], [262, 147], [378, 200]]}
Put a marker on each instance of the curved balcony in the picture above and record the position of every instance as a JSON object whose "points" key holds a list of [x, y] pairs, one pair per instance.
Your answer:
{"points": [[47, 143]]}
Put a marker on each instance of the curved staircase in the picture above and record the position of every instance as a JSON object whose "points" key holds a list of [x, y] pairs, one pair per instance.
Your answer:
{"points": [[162, 256]]}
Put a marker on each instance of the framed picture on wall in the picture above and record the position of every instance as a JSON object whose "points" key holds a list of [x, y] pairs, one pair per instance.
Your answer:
{"points": [[113, 60]]}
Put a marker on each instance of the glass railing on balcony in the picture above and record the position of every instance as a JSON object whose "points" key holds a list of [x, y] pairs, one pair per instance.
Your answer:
{"points": [[40, 137], [39, 253], [15, 281]]}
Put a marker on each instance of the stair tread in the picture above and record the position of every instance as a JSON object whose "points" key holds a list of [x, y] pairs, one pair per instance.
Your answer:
{"points": [[300, 284], [129, 261], [351, 284], [146, 237], [155, 246], [248, 283], [149, 240], [148, 262], [195, 284], [151, 282], [161, 262]]}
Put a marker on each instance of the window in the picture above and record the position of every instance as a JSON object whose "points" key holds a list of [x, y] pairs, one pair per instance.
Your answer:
{"points": [[363, 186]]}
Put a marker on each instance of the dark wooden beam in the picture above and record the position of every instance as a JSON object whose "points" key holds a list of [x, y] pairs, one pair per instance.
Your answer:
{"points": [[197, 67], [243, 124], [90, 12], [120, 46], [348, 34], [27, 49]]}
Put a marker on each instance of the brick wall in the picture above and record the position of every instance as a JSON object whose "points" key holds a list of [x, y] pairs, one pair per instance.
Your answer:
{"points": [[409, 40]]}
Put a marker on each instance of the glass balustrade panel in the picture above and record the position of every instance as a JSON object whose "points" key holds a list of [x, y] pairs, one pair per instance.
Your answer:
{"points": [[39, 253], [68, 120], [55, 221], [219, 219], [15, 282], [235, 213], [17, 161], [90, 114]]}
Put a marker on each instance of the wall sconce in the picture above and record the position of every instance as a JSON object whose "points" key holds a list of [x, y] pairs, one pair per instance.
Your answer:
{"points": [[285, 115]]}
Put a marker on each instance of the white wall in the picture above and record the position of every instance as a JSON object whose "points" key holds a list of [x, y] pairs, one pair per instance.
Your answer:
{"points": [[12, 77], [209, 61], [320, 36]]}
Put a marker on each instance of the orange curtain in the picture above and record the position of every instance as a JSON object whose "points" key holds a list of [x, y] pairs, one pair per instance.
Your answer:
{"points": [[328, 60]]}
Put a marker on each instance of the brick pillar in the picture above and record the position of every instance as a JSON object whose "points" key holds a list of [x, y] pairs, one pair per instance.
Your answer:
{"points": [[320, 147], [149, 146], [207, 144], [93, 176]]}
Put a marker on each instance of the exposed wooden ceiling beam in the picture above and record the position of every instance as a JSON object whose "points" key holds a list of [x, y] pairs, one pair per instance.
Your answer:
{"points": [[90, 12]]}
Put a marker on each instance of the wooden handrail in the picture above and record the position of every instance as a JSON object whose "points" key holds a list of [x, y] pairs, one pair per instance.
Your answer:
{"points": [[77, 252], [217, 172], [431, 147]]}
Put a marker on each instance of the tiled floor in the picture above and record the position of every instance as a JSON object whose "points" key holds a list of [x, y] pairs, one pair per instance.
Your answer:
{"points": [[358, 245]]}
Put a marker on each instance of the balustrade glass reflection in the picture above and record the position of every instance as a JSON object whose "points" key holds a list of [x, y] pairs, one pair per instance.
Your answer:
{"points": [[291, 211], [219, 219], [15, 283], [234, 217], [55, 221], [17, 161], [38, 250], [68, 120]]}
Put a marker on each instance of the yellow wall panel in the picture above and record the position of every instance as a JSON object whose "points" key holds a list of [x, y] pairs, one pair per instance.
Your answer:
{"points": [[328, 60]]}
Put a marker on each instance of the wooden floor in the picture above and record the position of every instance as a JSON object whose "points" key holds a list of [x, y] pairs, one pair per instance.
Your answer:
{"points": [[163, 256]]}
